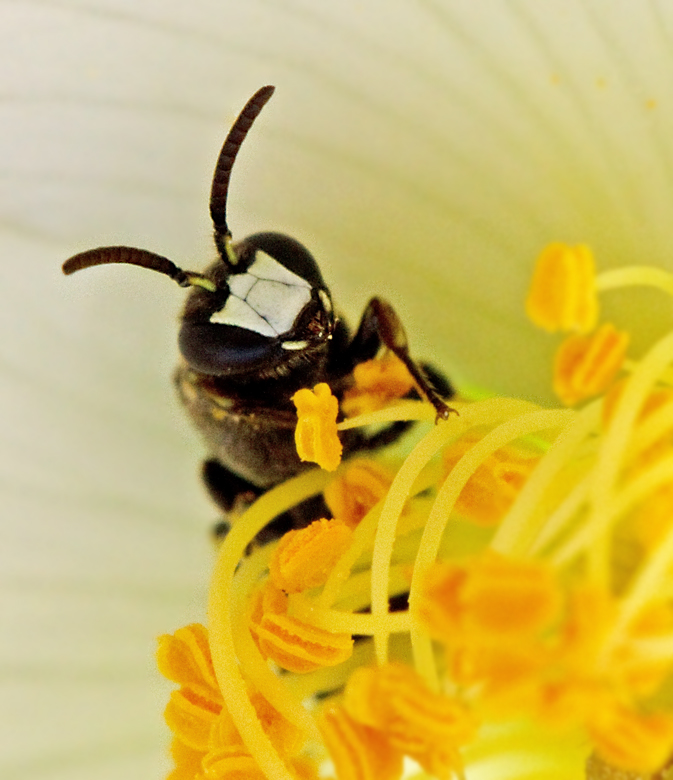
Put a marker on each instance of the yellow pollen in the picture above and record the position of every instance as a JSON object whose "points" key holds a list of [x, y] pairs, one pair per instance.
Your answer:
{"points": [[428, 727], [585, 366], [637, 742], [562, 295], [357, 489], [358, 751], [292, 643], [305, 558], [316, 434], [206, 741], [494, 485], [377, 383]]}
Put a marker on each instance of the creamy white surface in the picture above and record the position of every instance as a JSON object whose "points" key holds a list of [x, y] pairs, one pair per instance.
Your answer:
{"points": [[267, 299]]}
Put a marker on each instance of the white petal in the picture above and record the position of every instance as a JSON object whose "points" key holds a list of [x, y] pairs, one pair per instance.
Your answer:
{"points": [[423, 151]]}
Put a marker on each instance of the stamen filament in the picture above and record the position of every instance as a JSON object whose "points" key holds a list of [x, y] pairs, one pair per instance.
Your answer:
{"points": [[350, 622], [534, 549], [647, 582], [594, 528], [392, 506], [633, 276], [402, 410], [508, 431], [561, 516], [518, 528], [612, 452], [222, 597]]}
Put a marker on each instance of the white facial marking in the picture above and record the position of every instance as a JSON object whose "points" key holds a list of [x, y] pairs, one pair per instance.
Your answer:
{"points": [[265, 267], [294, 344], [240, 284], [278, 303], [237, 312], [267, 299]]}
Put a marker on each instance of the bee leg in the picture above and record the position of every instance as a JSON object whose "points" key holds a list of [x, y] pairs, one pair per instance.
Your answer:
{"points": [[233, 495], [380, 326], [358, 441], [439, 380]]}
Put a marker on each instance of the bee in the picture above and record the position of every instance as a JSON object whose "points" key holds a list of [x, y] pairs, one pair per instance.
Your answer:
{"points": [[259, 324]]}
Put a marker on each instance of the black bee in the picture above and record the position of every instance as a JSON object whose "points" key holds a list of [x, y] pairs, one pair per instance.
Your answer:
{"points": [[258, 325]]}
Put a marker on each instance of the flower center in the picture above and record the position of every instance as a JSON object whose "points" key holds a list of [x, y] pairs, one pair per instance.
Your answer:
{"points": [[502, 594]]}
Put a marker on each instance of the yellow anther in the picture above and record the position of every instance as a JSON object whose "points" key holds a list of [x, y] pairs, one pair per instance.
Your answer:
{"points": [[491, 614], [427, 726], [187, 761], [585, 366], [494, 485], [232, 762], [290, 643], [634, 741], [562, 295], [191, 714], [207, 743], [358, 751], [354, 491], [184, 657], [305, 558], [377, 383], [493, 595], [316, 435]]}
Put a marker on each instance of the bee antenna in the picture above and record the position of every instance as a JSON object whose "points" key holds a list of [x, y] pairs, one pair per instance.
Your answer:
{"points": [[225, 162], [105, 255]]}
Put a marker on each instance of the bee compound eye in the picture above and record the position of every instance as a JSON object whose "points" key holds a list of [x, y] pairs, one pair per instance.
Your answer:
{"points": [[226, 350]]}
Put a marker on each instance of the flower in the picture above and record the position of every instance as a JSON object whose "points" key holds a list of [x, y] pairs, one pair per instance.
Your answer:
{"points": [[427, 157], [553, 624]]}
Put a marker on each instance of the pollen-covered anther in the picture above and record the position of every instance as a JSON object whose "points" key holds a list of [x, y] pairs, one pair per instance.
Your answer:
{"points": [[634, 741], [377, 383], [289, 642], [355, 490], [492, 596], [358, 751], [638, 458], [585, 366], [184, 657], [305, 558], [429, 727], [494, 485], [232, 762], [562, 295], [206, 742], [316, 435], [191, 714]]}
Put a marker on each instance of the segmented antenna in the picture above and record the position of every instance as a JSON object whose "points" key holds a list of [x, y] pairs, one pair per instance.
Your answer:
{"points": [[225, 162], [105, 255]]}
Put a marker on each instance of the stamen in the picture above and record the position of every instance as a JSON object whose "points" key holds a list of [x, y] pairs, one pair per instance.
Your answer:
{"points": [[291, 643], [562, 295], [494, 485], [304, 559], [428, 727], [316, 434], [353, 492], [377, 383], [585, 366], [638, 742], [358, 751], [534, 547]]}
